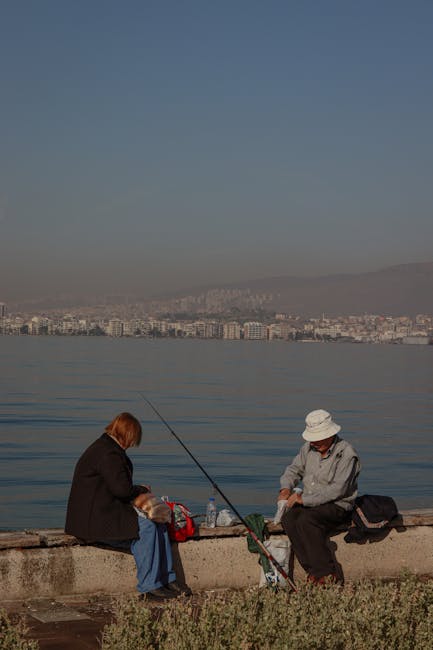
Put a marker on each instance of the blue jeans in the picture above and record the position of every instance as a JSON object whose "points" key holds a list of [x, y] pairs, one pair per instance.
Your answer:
{"points": [[152, 555]]}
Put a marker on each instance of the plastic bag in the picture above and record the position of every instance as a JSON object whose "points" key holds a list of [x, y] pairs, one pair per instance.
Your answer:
{"points": [[227, 518], [281, 506], [279, 548]]}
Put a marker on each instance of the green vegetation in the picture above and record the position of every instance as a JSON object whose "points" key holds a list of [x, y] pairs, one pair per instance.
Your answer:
{"points": [[12, 636], [373, 615]]}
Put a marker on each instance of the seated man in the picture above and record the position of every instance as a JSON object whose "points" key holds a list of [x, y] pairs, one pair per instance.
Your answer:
{"points": [[328, 468]]}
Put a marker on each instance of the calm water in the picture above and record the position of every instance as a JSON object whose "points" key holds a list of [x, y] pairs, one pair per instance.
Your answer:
{"points": [[239, 406]]}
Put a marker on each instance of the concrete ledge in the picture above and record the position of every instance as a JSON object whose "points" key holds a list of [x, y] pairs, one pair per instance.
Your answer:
{"points": [[48, 563], [50, 537]]}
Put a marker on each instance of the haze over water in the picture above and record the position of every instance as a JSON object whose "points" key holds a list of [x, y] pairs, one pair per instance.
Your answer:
{"points": [[238, 406]]}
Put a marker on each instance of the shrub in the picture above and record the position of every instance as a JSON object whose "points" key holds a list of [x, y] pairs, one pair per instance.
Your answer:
{"points": [[11, 636], [373, 615]]}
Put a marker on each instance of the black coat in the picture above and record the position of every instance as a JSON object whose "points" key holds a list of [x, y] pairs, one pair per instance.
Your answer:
{"points": [[99, 502]]}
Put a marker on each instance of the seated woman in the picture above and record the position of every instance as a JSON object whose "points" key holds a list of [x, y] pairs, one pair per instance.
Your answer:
{"points": [[100, 509]]}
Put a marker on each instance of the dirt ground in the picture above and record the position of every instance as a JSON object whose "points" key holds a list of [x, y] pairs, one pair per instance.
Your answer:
{"points": [[70, 622]]}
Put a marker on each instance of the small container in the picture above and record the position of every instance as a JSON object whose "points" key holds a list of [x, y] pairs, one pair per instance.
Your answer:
{"points": [[211, 513]]}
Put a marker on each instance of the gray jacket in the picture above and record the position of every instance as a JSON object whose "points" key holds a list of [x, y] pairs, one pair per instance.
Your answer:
{"points": [[329, 479]]}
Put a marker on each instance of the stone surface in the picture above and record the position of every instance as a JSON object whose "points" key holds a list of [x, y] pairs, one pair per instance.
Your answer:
{"points": [[56, 614], [417, 517], [221, 531], [217, 559], [83, 633], [54, 537], [18, 539]]}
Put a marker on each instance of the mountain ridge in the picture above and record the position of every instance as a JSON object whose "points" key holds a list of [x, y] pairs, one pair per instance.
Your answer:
{"points": [[403, 289], [396, 290]]}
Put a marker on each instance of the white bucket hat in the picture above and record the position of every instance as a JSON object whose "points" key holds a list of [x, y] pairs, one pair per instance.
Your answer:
{"points": [[319, 426]]}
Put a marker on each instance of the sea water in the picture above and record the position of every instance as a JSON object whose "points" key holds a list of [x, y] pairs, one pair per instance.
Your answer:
{"points": [[239, 406]]}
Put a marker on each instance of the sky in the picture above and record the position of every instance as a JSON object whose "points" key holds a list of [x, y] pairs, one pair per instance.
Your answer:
{"points": [[150, 146]]}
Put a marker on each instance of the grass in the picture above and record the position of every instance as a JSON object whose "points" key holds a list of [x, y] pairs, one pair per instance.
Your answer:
{"points": [[366, 615], [12, 635]]}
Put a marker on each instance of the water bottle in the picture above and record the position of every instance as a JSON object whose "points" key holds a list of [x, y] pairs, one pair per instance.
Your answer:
{"points": [[211, 513]]}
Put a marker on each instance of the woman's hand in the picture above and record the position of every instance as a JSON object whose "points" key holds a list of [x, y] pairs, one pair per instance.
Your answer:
{"points": [[145, 488], [141, 500]]}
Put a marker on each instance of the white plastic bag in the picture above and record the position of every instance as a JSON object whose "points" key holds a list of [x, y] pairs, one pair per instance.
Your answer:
{"points": [[281, 506], [279, 548], [227, 518]]}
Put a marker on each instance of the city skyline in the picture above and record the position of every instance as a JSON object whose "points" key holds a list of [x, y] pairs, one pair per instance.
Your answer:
{"points": [[355, 328], [148, 148]]}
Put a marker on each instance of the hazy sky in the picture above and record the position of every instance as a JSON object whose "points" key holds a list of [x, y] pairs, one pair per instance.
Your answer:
{"points": [[147, 145]]}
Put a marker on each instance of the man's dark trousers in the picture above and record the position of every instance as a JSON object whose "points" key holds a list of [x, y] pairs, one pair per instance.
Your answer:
{"points": [[308, 530]]}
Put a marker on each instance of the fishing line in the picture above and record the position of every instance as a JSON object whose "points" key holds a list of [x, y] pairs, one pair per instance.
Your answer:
{"points": [[259, 543]]}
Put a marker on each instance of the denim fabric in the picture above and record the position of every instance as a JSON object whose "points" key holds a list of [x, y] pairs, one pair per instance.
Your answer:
{"points": [[152, 555]]}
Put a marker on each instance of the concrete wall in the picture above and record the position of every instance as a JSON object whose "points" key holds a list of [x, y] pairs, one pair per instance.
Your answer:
{"points": [[63, 567]]}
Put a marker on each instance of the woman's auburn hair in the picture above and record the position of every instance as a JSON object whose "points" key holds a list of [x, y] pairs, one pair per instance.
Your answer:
{"points": [[126, 429]]}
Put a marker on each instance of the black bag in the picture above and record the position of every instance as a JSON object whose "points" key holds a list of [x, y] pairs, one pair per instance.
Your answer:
{"points": [[370, 518]]}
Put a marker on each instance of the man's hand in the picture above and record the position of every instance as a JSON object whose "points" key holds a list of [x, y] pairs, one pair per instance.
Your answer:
{"points": [[284, 494], [294, 498]]}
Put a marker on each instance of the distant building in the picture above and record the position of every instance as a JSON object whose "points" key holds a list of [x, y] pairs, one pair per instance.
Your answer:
{"points": [[189, 329], [279, 331], [200, 329], [214, 330], [232, 331], [254, 331], [115, 327], [39, 325], [416, 340], [2, 317], [69, 324], [332, 331]]}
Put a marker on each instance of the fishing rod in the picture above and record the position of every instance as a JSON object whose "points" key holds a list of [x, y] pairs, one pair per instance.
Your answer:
{"points": [[259, 543]]}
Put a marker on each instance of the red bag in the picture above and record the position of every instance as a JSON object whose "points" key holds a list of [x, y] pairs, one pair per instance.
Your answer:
{"points": [[182, 524]]}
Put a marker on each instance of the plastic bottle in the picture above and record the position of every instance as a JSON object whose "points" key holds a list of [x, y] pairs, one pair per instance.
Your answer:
{"points": [[211, 513]]}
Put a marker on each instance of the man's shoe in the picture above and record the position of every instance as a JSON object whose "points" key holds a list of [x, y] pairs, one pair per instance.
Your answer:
{"points": [[157, 595], [178, 590], [323, 581]]}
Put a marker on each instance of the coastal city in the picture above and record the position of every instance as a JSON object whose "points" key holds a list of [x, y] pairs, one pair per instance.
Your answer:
{"points": [[365, 328]]}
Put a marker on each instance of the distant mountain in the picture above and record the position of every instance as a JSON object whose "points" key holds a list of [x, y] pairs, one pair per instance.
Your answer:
{"points": [[397, 290], [406, 289]]}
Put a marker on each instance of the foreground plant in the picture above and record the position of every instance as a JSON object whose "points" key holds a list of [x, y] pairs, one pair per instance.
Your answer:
{"points": [[393, 616], [12, 636]]}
